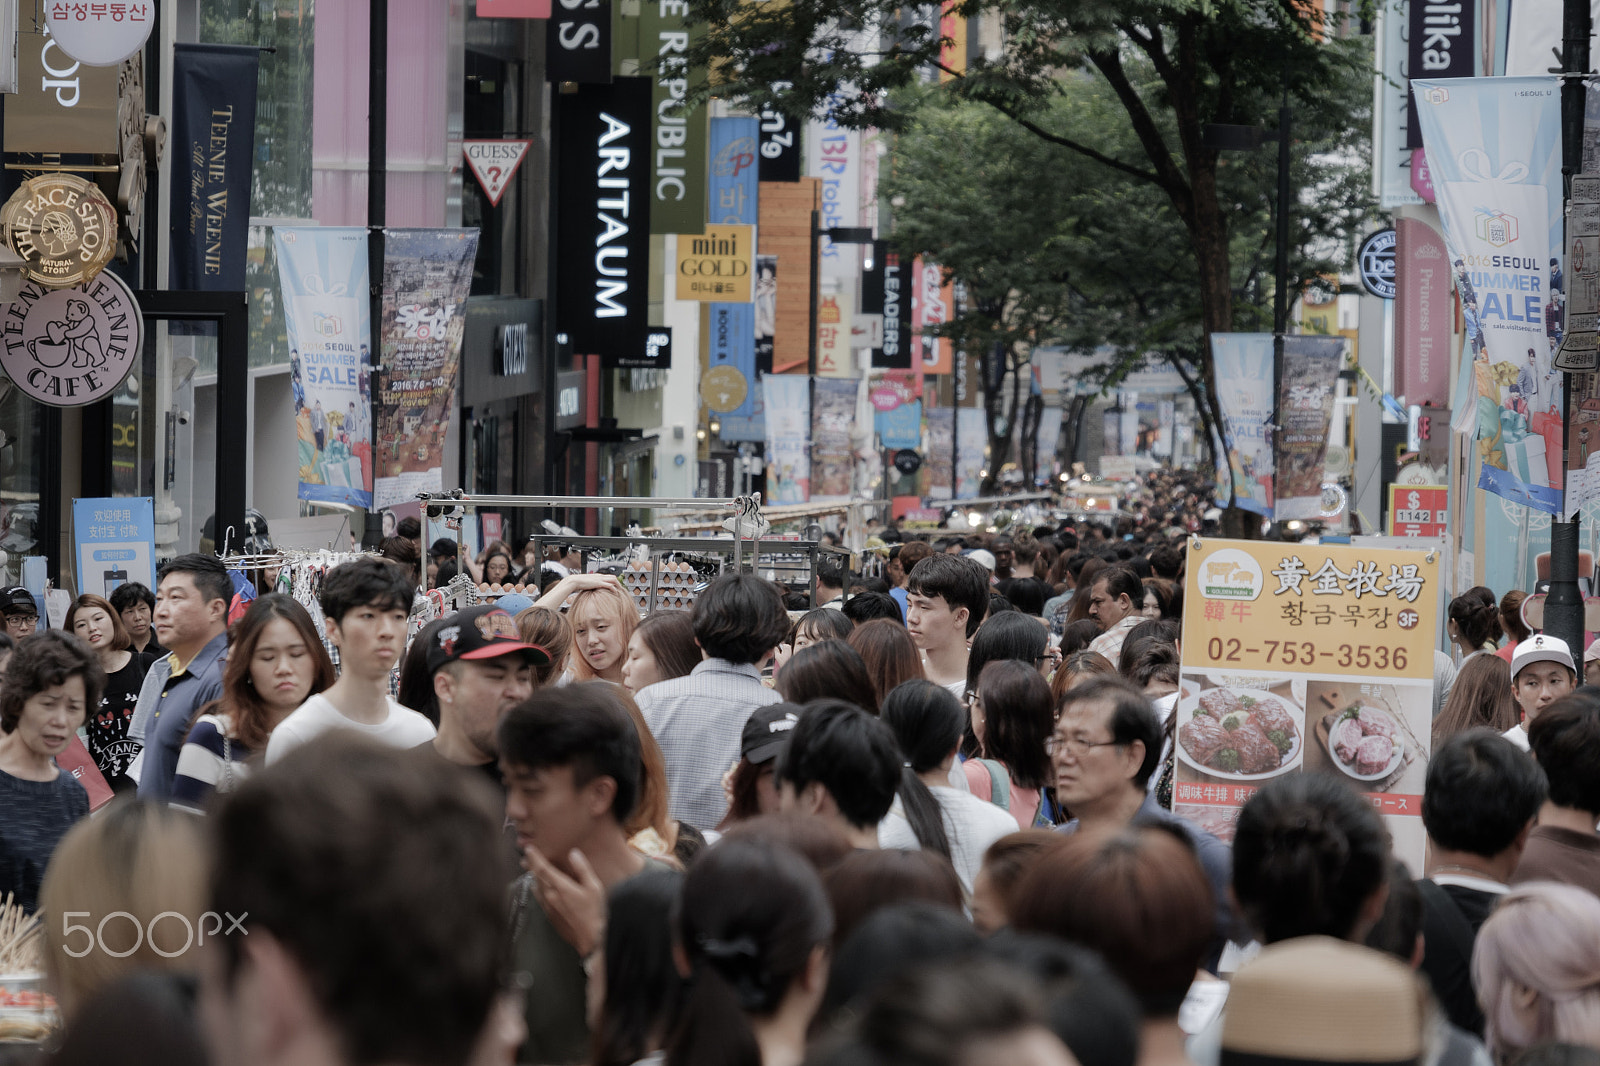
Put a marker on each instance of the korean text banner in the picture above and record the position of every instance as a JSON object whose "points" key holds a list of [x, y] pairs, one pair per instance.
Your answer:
{"points": [[900, 427], [214, 136], [1494, 148], [1244, 392], [426, 276], [323, 274], [734, 168], [1303, 658], [733, 391], [1305, 411], [788, 417]]}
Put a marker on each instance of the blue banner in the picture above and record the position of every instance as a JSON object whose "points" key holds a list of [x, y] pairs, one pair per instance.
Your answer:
{"points": [[1494, 151], [733, 344], [900, 428], [1244, 392], [734, 171], [213, 147], [116, 543], [327, 315]]}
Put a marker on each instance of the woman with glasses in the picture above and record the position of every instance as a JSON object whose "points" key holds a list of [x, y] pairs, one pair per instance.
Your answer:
{"points": [[1011, 718]]}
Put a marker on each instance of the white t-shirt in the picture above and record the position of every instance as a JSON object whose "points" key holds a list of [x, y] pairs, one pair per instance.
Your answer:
{"points": [[970, 823], [1518, 736], [403, 728]]}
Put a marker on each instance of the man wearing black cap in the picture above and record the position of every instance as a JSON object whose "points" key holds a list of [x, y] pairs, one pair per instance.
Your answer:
{"points": [[21, 612], [481, 669], [764, 736]]}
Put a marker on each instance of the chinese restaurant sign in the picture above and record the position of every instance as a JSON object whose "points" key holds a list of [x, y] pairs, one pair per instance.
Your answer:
{"points": [[1302, 658]]}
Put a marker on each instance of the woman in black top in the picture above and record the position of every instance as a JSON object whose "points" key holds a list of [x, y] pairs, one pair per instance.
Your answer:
{"points": [[95, 622]]}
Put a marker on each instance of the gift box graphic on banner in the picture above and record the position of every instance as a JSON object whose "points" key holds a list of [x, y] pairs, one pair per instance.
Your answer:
{"points": [[1494, 147]]}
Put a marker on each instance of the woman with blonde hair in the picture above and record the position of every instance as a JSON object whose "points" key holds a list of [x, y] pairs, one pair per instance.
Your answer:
{"points": [[1536, 968], [142, 864], [603, 617]]}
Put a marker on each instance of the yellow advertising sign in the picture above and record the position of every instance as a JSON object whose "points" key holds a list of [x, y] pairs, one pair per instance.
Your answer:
{"points": [[716, 266], [1306, 658]]}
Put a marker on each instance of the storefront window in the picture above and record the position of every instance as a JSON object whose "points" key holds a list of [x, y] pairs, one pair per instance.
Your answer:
{"points": [[20, 443]]}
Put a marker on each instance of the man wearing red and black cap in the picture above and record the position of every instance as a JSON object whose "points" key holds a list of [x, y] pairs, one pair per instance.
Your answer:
{"points": [[481, 669]]}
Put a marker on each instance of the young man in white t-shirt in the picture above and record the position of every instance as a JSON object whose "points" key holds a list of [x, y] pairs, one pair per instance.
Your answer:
{"points": [[365, 604], [947, 597]]}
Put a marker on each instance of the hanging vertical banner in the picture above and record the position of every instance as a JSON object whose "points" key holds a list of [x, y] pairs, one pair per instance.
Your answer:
{"points": [[1049, 438], [972, 440], [678, 158], [833, 154], [788, 417], [1440, 45], [327, 317], [733, 172], [1494, 149], [766, 308], [603, 227], [780, 147], [833, 412], [213, 147], [731, 373], [893, 293], [941, 448], [1305, 411], [1306, 658], [1391, 158], [1244, 392], [931, 305], [901, 427], [427, 274], [835, 314], [1423, 312], [578, 43]]}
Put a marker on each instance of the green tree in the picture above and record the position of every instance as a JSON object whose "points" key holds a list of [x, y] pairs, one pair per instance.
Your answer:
{"points": [[1140, 80]]}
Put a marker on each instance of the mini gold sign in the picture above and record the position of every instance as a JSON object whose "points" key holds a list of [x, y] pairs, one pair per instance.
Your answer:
{"points": [[62, 226]]}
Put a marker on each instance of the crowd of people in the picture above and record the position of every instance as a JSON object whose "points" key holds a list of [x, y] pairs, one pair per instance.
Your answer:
{"points": [[926, 821]]}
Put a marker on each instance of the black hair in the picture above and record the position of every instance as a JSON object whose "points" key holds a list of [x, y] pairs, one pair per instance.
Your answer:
{"points": [[366, 582], [644, 992], [1308, 852], [829, 669], [959, 581], [210, 577], [1165, 562], [1006, 636], [1120, 580], [1166, 631], [892, 941], [1139, 565], [416, 680], [1088, 1007], [125, 596], [1077, 636], [584, 726], [443, 548], [409, 527], [927, 722], [1132, 717], [740, 618], [1477, 616], [870, 584], [824, 623], [159, 1007], [1398, 927], [830, 574], [848, 752], [42, 661], [1481, 792], [865, 606], [1565, 738], [6, 643], [749, 917], [1026, 594], [998, 604]]}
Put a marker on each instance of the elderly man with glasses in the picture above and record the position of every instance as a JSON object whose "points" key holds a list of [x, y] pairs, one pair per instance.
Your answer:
{"points": [[1104, 751]]}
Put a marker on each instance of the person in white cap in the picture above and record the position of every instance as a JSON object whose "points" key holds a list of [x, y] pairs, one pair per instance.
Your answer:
{"points": [[1542, 671], [1591, 663], [984, 558]]}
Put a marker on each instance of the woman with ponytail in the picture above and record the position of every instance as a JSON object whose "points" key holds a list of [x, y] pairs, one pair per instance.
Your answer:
{"points": [[927, 813], [753, 928], [1474, 623]]}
